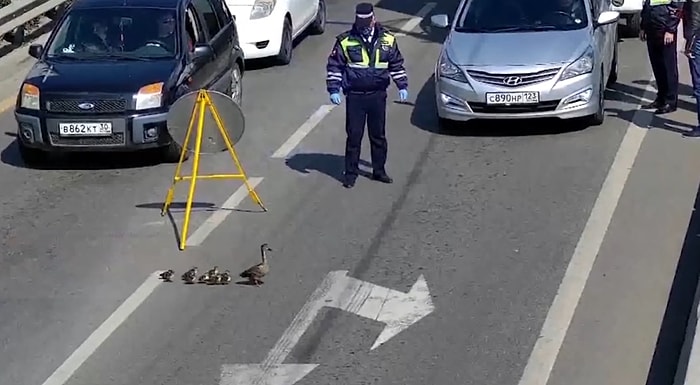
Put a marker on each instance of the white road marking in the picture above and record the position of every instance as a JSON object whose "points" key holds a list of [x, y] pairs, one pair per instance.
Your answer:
{"points": [[414, 21], [299, 135], [544, 354], [61, 375], [218, 216]]}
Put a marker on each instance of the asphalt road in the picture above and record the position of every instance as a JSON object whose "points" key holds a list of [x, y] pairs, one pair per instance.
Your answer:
{"points": [[489, 217]]}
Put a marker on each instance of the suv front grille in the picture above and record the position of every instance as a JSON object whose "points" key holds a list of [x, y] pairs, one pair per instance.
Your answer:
{"points": [[116, 138], [100, 106], [524, 78]]}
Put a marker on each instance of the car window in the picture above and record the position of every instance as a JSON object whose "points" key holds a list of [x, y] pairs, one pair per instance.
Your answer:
{"points": [[516, 15], [205, 9], [119, 33], [224, 15], [193, 27]]}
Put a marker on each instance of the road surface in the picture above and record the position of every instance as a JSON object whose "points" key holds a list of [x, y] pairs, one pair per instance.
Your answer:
{"points": [[490, 219]]}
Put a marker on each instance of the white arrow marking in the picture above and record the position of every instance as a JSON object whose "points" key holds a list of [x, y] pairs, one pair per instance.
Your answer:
{"points": [[396, 309]]}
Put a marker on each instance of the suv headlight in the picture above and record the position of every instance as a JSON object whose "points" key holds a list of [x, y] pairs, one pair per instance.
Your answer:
{"points": [[262, 8], [149, 96], [449, 70], [582, 66], [29, 96]]}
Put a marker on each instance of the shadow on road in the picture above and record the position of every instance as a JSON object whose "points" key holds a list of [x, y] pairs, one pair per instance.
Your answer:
{"points": [[85, 160], [331, 165], [668, 359]]}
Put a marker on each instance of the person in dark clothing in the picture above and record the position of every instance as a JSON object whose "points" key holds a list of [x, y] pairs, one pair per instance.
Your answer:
{"points": [[691, 32], [98, 40], [660, 20], [362, 62]]}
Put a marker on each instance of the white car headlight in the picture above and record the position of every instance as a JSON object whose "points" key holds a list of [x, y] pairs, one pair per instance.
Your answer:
{"points": [[262, 8], [449, 70], [149, 96], [582, 66], [29, 96]]}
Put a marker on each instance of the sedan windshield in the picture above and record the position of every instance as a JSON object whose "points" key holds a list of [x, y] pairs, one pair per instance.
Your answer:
{"points": [[517, 15], [119, 33]]}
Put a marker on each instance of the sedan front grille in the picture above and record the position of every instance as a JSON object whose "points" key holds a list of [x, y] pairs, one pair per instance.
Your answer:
{"points": [[515, 79], [99, 106], [514, 109]]}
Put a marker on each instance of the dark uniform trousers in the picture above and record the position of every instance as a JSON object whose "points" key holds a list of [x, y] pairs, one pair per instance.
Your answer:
{"points": [[664, 64], [361, 108]]}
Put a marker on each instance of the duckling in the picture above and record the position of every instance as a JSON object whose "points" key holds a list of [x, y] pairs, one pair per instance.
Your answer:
{"points": [[213, 272], [190, 275], [204, 278], [254, 273], [215, 280], [167, 276], [225, 277]]}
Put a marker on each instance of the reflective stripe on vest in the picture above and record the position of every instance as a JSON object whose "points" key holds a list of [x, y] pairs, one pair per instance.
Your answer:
{"points": [[386, 40], [659, 2]]}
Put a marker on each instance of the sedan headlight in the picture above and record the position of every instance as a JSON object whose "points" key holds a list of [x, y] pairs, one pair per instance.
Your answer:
{"points": [[582, 66], [149, 96], [29, 96], [262, 8], [449, 70]]}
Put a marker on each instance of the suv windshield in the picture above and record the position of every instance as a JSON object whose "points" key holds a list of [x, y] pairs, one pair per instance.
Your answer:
{"points": [[518, 15], [119, 33]]}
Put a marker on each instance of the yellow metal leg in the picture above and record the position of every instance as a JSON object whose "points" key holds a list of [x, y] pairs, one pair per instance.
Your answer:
{"points": [[177, 177], [220, 125], [193, 182]]}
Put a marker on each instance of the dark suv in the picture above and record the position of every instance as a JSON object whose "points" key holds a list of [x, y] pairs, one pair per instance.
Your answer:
{"points": [[111, 69]]}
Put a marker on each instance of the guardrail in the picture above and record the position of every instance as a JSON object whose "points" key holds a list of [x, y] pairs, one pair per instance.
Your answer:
{"points": [[15, 15]]}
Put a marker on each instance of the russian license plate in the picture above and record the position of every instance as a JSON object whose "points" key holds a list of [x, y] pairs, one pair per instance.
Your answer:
{"points": [[85, 129], [505, 98]]}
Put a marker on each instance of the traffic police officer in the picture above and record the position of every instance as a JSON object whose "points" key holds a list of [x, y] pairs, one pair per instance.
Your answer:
{"points": [[660, 20], [691, 31], [360, 64]]}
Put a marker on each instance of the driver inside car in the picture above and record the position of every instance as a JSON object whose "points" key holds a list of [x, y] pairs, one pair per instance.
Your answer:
{"points": [[573, 10], [166, 32]]}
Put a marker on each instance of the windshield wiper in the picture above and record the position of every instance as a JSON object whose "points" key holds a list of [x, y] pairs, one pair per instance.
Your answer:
{"points": [[512, 28], [121, 56]]}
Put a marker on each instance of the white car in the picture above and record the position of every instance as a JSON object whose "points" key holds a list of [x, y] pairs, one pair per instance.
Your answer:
{"points": [[631, 11], [267, 28]]}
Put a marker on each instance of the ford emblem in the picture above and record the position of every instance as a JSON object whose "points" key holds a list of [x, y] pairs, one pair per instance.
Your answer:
{"points": [[86, 106]]}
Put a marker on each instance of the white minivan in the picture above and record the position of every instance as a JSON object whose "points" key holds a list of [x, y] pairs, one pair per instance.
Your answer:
{"points": [[267, 28], [631, 11]]}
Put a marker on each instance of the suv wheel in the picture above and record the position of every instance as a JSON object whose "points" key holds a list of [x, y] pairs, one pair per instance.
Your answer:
{"points": [[319, 24], [32, 157], [236, 86], [284, 57], [171, 152]]}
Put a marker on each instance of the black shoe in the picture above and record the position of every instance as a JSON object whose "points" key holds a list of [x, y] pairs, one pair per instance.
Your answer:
{"points": [[665, 109], [653, 105], [349, 181], [384, 178], [693, 134]]}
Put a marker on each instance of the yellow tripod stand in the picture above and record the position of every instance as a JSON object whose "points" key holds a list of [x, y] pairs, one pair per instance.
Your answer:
{"points": [[200, 107]]}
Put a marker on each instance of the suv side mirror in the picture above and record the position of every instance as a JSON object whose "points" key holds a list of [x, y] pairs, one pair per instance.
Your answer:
{"points": [[35, 50], [440, 21], [618, 3], [607, 17], [202, 53]]}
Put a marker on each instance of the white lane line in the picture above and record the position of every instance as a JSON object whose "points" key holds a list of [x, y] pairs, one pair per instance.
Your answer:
{"points": [[299, 135], [414, 21], [61, 375], [218, 216], [544, 354]]}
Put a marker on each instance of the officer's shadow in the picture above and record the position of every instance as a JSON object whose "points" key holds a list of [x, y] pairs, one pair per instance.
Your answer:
{"points": [[332, 165]]}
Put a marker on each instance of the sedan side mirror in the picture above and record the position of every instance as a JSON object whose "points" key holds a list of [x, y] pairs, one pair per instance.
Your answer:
{"points": [[607, 17], [618, 3], [202, 53], [35, 50], [440, 21]]}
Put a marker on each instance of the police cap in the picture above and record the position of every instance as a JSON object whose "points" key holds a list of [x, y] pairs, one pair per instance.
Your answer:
{"points": [[363, 14]]}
